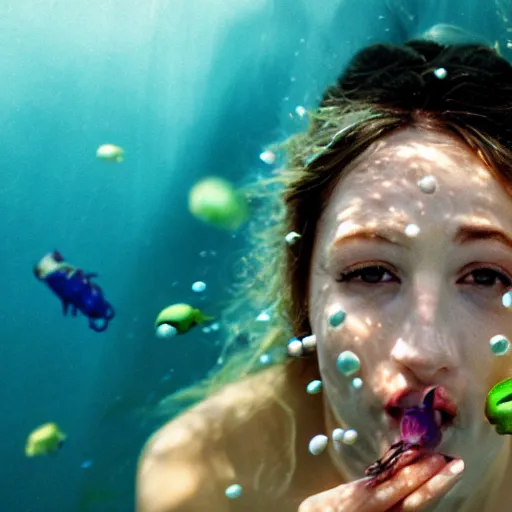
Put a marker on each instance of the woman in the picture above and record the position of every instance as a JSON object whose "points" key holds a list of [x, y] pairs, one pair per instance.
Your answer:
{"points": [[400, 192]]}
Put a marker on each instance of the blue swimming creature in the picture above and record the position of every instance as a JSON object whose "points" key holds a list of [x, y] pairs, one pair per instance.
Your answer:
{"points": [[75, 289]]}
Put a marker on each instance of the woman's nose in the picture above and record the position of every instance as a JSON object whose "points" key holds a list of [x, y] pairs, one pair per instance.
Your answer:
{"points": [[428, 360], [425, 346]]}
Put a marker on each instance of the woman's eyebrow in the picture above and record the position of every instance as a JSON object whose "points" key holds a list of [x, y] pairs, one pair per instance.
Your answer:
{"points": [[465, 234], [474, 233], [382, 233]]}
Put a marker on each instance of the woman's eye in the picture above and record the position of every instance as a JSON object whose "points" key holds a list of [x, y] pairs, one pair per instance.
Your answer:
{"points": [[487, 277], [369, 275]]}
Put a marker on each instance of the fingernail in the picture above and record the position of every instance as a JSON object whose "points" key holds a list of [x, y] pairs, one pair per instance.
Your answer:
{"points": [[457, 467]]}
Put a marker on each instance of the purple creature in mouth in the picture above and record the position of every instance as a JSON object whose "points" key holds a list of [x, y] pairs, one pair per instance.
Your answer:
{"points": [[75, 289], [420, 432]]}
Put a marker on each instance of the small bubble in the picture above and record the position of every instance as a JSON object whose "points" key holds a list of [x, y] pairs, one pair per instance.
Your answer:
{"points": [[291, 237], [166, 331], [263, 317], [348, 363], [265, 359], [199, 286], [300, 111], [314, 387], [499, 345], [441, 73], [233, 492], [428, 184], [506, 300], [294, 348], [337, 318], [309, 342], [318, 444], [86, 464], [337, 435], [350, 436], [268, 157], [357, 383]]}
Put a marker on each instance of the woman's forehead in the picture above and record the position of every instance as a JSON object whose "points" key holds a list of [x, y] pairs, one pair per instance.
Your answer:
{"points": [[405, 156], [386, 182]]}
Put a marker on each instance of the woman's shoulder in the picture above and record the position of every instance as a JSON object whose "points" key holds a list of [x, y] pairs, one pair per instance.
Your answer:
{"points": [[187, 463]]}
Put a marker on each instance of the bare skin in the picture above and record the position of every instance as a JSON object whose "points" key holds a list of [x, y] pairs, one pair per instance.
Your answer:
{"points": [[188, 464], [223, 442], [420, 311]]}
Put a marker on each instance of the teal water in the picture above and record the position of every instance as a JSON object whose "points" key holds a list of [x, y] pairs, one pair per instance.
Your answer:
{"points": [[188, 89]]}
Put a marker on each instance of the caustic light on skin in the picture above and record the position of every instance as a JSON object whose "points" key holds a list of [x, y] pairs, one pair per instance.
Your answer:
{"points": [[411, 230]]}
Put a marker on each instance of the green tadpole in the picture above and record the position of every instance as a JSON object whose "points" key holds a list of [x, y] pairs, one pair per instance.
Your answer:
{"points": [[498, 407]]}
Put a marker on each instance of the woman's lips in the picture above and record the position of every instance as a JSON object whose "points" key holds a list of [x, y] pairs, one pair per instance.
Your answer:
{"points": [[408, 398]]}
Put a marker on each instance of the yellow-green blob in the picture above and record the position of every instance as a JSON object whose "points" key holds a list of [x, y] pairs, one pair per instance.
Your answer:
{"points": [[216, 202], [44, 440], [181, 316], [498, 407]]}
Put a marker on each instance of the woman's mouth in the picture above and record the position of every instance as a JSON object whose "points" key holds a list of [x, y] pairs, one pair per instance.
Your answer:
{"points": [[445, 410]]}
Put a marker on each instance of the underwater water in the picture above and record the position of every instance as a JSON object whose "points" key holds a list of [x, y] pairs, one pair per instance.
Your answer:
{"points": [[188, 89]]}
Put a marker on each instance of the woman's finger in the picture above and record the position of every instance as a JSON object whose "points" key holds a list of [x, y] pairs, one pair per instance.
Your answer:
{"points": [[358, 496], [405, 482], [434, 488]]}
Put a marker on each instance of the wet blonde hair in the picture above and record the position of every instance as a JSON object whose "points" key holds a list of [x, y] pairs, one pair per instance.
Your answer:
{"points": [[465, 90]]}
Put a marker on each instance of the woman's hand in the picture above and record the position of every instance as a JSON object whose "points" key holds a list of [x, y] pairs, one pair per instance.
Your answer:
{"points": [[410, 489]]}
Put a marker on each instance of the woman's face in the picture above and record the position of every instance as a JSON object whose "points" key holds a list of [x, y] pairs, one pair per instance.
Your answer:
{"points": [[420, 275]]}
